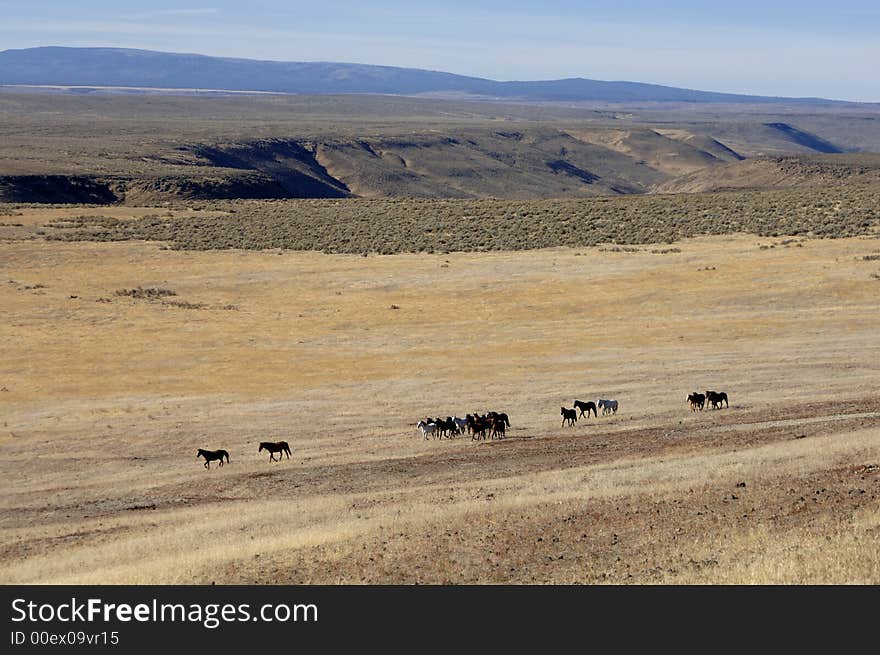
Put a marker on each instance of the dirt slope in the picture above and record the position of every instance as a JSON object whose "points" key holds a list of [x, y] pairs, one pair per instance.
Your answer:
{"points": [[779, 172]]}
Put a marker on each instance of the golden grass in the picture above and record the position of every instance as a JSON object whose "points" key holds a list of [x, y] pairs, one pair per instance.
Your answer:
{"points": [[105, 404]]}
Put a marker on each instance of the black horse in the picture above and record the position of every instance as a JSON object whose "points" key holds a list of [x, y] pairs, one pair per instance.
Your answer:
{"points": [[275, 447], [569, 415], [501, 416], [716, 398], [696, 400], [446, 426], [211, 455], [586, 407]]}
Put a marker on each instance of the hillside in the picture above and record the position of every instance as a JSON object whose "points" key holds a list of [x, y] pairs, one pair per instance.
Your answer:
{"points": [[119, 67], [779, 172], [142, 149]]}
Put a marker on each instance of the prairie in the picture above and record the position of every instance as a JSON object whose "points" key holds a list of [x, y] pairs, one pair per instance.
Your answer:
{"points": [[107, 389]]}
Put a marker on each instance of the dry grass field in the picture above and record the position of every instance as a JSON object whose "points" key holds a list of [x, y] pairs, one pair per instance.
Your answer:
{"points": [[108, 390]]}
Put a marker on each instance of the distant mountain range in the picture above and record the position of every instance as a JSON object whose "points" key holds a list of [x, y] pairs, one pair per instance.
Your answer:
{"points": [[119, 67]]}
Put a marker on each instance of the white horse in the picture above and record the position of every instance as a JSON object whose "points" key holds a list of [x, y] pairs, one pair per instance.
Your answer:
{"points": [[427, 428], [608, 406]]}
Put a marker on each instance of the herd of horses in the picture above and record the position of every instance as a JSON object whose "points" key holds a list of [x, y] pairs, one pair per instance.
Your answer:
{"points": [[493, 424], [698, 400], [570, 416], [480, 426], [271, 446]]}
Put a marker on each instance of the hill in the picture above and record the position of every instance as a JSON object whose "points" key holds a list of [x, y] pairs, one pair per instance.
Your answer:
{"points": [[154, 148], [120, 67], [779, 172]]}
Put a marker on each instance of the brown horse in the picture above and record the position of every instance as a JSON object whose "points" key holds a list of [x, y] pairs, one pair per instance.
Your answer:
{"points": [[211, 455], [275, 447], [496, 415], [498, 426], [478, 426]]}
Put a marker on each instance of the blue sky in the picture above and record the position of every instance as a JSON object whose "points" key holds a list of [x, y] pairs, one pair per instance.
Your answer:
{"points": [[787, 48]]}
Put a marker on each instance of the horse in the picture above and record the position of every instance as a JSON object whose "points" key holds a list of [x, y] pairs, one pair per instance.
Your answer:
{"points": [[586, 407], [696, 400], [715, 398], [498, 424], [211, 455], [427, 427], [608, 406], [478, 425], [446, 426], [502, 416], [569, 415], [275, 447], [460, 424]]}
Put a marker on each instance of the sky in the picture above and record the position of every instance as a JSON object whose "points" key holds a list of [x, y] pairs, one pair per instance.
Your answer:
{"points": [[803, 48]]}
